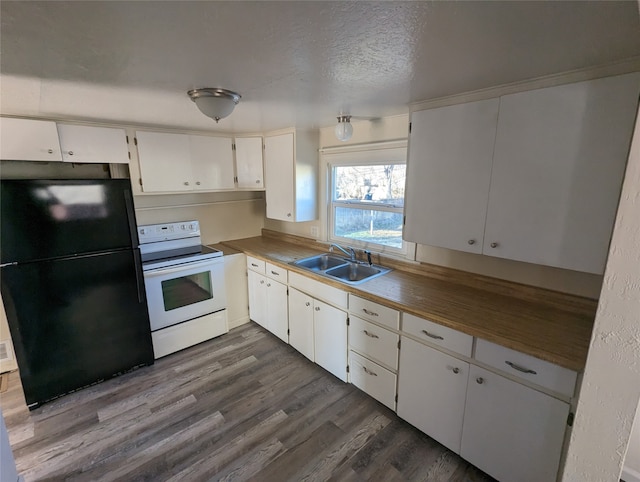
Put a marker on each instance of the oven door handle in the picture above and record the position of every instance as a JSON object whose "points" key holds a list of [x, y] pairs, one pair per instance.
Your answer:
{"points": [[182, 267]]}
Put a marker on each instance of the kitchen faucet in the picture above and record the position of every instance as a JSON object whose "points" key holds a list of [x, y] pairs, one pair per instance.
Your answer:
{"points": [[351, 253]]}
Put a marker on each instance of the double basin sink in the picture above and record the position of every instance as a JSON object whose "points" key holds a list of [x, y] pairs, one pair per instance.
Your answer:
{"points": [[341, 269]]}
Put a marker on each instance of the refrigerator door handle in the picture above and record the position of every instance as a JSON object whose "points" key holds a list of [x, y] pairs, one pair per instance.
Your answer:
{"points": [[139, 282], [131, 218]]}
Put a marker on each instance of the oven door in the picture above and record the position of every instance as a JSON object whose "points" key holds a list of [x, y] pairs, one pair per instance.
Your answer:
{"points": [[180, 293]]}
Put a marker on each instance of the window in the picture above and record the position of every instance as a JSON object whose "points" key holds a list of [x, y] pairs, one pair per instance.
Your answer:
{"points": [[367, 200]]}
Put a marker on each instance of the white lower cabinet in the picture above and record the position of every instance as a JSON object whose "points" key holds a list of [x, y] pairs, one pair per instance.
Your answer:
{"points": [[268, 304], [319, 331], [330, 338], [431, 392], [301, 322], [512, 432], [373, 379]]}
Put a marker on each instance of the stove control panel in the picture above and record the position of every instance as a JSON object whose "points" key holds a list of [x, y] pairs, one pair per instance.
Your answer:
{"points": [[153, 233]]}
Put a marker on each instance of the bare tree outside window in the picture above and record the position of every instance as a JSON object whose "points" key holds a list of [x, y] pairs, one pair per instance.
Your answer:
{"points": [[368, 201]]}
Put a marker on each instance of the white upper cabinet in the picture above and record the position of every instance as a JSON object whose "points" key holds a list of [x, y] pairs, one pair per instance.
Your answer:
{"points": [[249, 166], [545, 192], [165, 163], [93, 144], [449, 173], [211, 162], [29, 140], [291, 165], [559, 161], [180, 162]]}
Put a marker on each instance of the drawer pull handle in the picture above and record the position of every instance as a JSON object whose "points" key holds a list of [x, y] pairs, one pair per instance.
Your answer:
{"points": [[521, 369], [369, 372], [455, 370], [371, 335], [254, 265], [307, 304], [370, 313], [274, 272], [479, 380], [431, 335]]}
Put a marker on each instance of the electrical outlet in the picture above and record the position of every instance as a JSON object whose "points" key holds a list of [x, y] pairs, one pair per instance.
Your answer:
{"points": [[315, 232]]}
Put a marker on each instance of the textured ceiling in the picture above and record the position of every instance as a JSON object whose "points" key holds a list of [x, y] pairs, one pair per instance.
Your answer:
{"points": [[294, 63]]}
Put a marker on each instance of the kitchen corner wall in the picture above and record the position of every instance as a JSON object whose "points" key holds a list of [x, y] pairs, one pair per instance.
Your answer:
{"points": [[397, 127]]}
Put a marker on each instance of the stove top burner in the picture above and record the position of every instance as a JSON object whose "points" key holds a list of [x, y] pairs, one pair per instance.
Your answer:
{"points": [[172, 257]]}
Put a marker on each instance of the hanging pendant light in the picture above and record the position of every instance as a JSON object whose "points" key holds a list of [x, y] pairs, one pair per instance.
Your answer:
{"points": [[344, 129], [215, 102]]}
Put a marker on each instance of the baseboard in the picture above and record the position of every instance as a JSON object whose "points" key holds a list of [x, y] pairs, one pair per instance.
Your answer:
{"points": [[239, 322], [630, 475]]}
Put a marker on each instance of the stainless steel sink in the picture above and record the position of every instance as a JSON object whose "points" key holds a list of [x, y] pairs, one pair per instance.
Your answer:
{"points": [[356, 273], [321, 262], [340, 269]]}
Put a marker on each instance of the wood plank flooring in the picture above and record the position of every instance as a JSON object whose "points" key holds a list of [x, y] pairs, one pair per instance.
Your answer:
{"points": [[244, 406]]}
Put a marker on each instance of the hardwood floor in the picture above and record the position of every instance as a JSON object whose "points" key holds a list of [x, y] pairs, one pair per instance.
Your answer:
{"points": [[244, 406]]}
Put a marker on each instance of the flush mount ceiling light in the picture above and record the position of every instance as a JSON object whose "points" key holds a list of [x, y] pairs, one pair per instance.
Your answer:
{"points": [[215, 103], [344, 129]]}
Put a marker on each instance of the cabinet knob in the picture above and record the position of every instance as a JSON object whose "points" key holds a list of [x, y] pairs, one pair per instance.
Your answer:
{"points": [[261, 281], [50, 151], [268, 285], [288, 215], [455, 370], [257, 181], [71, 153], [479, 380], [307, 304], [317, 308], [198, 183], [494, 245], [472, 241], [186, 183]]}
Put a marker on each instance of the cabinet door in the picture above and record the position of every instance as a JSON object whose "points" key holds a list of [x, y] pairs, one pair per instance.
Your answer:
{"points": [[93, 144], [431, 392], [211, 162], [448, 175], [330, 338], [280, 182], [29, 140], [165, 163], [249, 165], [257, 298], [559, 161], [277, 311], [301, 323], [510, 431]]}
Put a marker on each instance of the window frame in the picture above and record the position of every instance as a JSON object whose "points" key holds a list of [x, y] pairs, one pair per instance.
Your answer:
{"points": [[365, 156]]}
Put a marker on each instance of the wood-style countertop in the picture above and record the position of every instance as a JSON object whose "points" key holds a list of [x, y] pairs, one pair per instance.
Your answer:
{"points": [[548, 325]]}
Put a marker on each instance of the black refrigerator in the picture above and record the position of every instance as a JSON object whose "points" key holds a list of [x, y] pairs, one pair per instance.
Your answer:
{"points": [[72, 284]]}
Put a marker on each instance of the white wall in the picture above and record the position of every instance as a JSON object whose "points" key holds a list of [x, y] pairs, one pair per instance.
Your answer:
{"points": [[631, 470], [610, 391], [222, 216]]}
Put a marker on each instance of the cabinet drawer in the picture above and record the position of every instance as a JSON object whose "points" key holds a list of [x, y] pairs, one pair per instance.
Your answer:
{"points": [[255, 264], [374, 341], [276, 272], [319, 290], [372, 379], [437, 334], [527, 367], [374, 312]]}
